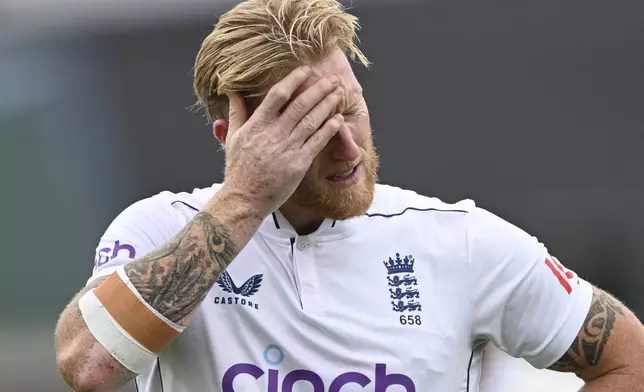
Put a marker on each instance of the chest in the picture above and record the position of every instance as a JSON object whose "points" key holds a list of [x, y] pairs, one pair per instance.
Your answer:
{"points": [[337, 314]]}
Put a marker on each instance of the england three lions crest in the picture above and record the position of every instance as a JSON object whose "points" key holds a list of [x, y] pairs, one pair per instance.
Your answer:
{"points": [[403, 285]]}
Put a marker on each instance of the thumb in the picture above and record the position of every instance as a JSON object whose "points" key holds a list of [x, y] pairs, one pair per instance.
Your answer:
{"points": [[237, 111]]}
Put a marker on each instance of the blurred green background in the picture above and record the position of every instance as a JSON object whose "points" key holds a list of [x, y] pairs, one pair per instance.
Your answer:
{"points": [[533, 109]]}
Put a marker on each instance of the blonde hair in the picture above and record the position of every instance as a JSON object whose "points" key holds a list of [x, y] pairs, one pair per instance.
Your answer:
{"points": [[259, 42]]}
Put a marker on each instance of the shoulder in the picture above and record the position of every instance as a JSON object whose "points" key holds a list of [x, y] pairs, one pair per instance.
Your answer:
{"points": [[194, 200], [164, 209], [390, 201], [481, 229], [145, 225]]}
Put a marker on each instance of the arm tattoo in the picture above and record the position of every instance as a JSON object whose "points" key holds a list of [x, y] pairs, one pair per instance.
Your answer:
{"points": [[175, 278], [587, 348]]}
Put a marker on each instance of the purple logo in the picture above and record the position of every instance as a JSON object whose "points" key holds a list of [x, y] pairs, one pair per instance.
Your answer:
{"points": [[104, 255], [274, 356]]}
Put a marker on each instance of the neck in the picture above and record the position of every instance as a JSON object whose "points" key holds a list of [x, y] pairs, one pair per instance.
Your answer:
{"points": [[304, 220]]}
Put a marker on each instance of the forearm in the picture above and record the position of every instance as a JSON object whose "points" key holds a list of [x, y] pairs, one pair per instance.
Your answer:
{"points": [[608, 352], [173, 279], [615, 382], [627, 374]]}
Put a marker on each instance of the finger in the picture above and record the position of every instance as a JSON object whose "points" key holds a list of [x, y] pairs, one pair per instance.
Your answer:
{"points": [[316, 143], [237, 111], [282, 91], [314, 119], [307, 100]]}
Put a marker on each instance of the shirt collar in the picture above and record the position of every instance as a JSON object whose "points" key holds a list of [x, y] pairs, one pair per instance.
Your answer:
{"points": [[277, 225]]}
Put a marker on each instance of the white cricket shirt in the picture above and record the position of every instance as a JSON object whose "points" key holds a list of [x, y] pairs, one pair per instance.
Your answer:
{"points": [[401, 299]]}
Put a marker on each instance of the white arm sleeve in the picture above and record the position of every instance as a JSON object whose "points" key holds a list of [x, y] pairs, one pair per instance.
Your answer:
{"points": [[139, 229], [523, 300]]}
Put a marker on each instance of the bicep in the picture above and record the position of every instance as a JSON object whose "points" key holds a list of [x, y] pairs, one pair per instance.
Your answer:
{"points": [[524, 301], [136, 231], [71, 322], [611, 338], [91, 285]]}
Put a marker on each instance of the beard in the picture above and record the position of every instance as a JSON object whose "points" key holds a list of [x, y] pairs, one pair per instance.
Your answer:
{"points": [[340, 202]]}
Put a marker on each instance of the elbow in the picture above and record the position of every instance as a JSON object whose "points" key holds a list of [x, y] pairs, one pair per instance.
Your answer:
{"points": [[83, 370], [625, 375], [70, 372], [75, 372], [619, 380]]}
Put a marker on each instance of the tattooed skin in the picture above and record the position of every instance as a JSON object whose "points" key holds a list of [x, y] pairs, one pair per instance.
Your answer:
{"points": [[175, 278], [589, 345]]}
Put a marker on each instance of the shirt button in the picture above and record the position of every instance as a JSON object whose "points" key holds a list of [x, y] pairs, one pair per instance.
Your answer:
{"points": [[301, 244]]}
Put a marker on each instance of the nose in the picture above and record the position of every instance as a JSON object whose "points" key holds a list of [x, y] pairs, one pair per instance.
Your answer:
{"points": [[343, 145]]}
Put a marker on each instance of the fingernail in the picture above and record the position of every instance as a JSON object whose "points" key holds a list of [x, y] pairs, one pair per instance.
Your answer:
{"points": [[334, 80], [306, 69]]}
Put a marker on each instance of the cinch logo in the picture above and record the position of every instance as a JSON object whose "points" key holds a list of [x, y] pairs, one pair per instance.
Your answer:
{"points": [[274, 356], [104, 255], [248, 289]]}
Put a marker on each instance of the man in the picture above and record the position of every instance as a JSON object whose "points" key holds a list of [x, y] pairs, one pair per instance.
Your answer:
{"points": [[299, 273]]}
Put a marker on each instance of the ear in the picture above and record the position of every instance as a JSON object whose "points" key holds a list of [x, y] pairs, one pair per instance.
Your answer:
{"points": [[220, 130]]}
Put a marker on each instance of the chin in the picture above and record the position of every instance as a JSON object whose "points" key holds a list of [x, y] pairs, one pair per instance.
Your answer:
{"points": [[340, 204]]}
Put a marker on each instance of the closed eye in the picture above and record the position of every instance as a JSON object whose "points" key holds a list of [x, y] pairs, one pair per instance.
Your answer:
{"points": [[355, 108], [350, 112]]}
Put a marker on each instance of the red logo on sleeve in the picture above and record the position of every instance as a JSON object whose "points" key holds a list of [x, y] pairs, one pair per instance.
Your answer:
{"points": [[562, 274]]}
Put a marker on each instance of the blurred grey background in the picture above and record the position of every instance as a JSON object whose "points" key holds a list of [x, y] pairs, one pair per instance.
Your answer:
{"points": [[533, 109]]}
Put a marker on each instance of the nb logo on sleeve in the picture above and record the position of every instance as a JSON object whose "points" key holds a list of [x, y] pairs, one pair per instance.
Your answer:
{"points": [[563, 275], [104, 255]]}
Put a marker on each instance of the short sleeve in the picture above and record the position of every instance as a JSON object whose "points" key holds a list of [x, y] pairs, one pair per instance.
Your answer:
{"points": [[139, 229], [523, 300]]}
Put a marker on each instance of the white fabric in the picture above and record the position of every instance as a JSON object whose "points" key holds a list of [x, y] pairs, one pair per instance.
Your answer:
{"points": [[503, 373], [518, 302], [121, 273], [125, 349], [323, 313]]}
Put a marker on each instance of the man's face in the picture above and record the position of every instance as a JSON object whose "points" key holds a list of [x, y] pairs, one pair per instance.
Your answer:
{"points": [[341, 181]]}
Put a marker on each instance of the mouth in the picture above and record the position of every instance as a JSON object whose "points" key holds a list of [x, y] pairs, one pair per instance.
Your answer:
{"points": [[348, 177]]}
